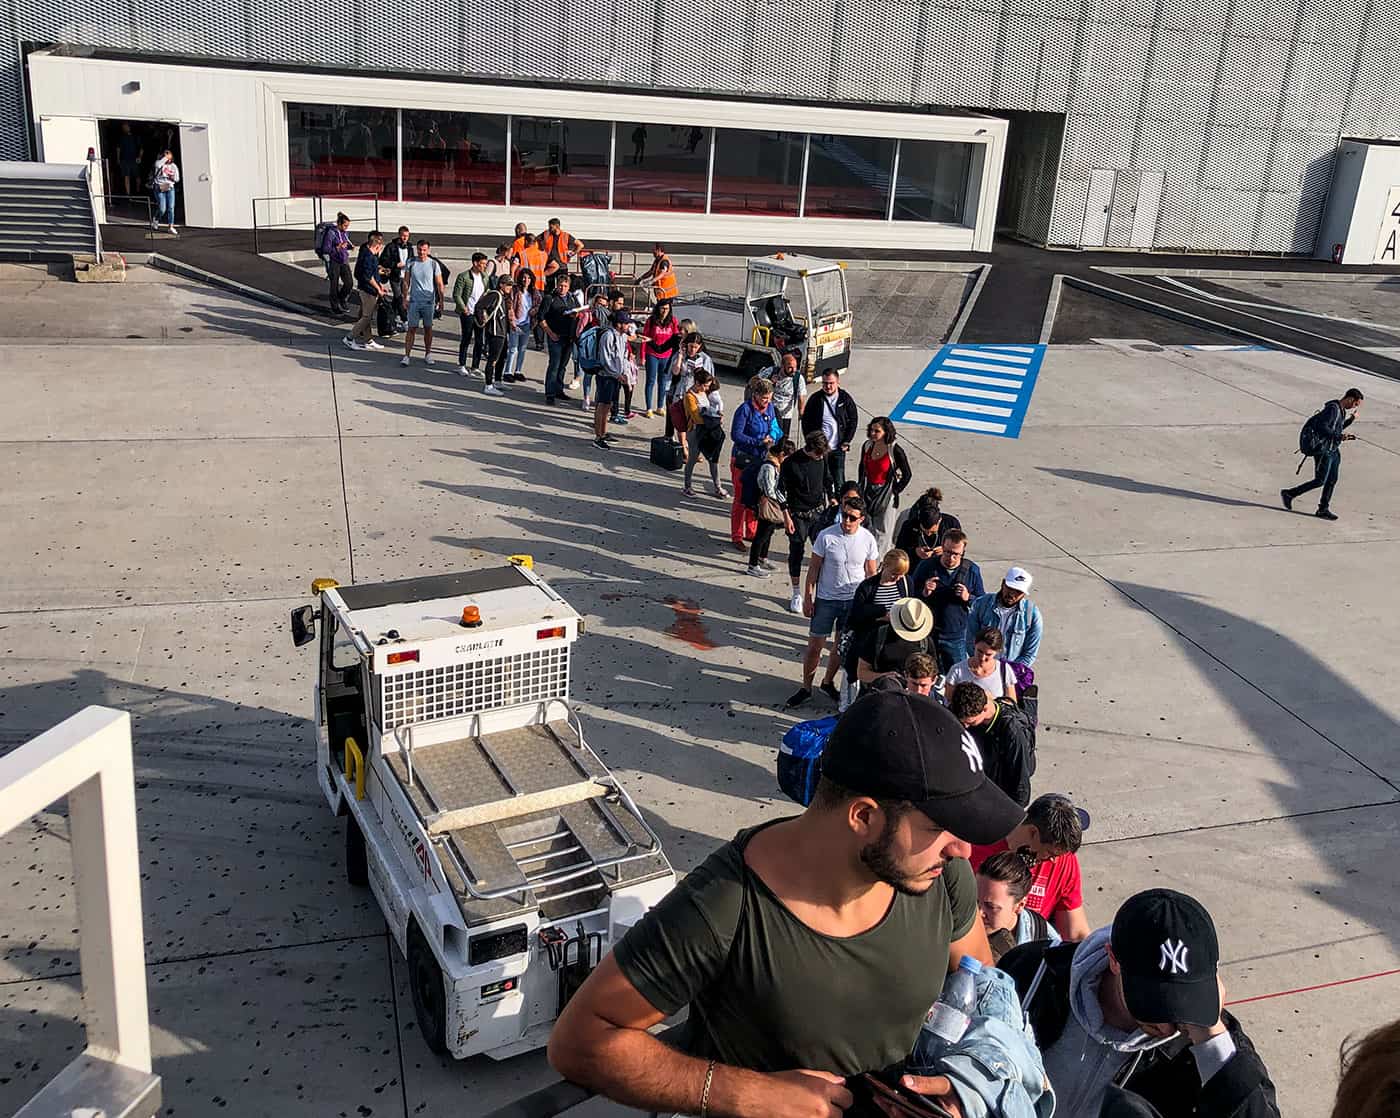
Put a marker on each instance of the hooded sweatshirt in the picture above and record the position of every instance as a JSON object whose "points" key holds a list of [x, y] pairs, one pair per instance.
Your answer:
{"points": [[1090, 1051]]}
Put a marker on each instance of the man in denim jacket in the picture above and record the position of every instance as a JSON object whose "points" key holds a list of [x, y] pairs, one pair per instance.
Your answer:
{"points": [[1009, 609]]}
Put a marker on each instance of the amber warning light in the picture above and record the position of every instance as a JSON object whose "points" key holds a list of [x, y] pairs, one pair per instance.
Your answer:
{"points": [[550, 634], [403, 657], [471, 617]]}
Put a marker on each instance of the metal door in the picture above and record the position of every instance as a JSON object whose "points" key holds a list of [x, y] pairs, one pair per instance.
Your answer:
{"points": [[1120, 216], [68, 139], [1096, 208], [1149, 204], [195, 175]]}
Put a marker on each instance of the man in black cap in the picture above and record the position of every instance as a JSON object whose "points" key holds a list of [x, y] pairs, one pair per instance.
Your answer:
{"points": [[1138, 1005], [816, 942]]}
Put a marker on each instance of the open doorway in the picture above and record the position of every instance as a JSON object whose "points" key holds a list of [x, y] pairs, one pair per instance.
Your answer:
{"points": [[128, 150]]}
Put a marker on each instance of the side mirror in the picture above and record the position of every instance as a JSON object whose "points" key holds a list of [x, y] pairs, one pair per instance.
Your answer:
{"points": [[303, 625]]}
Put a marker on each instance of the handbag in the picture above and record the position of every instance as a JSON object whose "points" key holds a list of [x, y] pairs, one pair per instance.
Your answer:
{"points": [[769, 510]]}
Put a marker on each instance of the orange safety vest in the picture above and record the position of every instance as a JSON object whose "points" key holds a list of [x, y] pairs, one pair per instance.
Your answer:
{"points": [[666, 285], [557, 247], [517, 246], [534, 258]]}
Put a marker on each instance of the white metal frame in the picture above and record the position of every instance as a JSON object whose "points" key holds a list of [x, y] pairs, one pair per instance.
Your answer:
{"points": [[87, 759]]}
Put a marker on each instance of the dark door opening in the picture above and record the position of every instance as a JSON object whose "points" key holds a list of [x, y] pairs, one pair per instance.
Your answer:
{"points": [[128, 150], [1029, 173]]}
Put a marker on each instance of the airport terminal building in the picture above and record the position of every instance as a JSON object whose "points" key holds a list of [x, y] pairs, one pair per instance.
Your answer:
{"points": [[1196, 125]]}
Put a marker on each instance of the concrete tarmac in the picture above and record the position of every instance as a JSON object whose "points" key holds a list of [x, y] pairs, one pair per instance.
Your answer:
{"points": [[1214, 679]]}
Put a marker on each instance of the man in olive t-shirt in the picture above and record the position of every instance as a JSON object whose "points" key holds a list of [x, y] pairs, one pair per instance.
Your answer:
{"points": [[808, 949]]}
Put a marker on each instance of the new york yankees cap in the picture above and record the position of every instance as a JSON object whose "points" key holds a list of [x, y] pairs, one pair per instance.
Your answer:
{"points": [[1165, 943], [892, 745]]}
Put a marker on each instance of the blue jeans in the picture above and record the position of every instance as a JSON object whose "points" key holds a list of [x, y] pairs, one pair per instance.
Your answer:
{"points": [[658, 380], [516, 341], [558, 362], [587, 384], [165, 206], [1326, 469]]}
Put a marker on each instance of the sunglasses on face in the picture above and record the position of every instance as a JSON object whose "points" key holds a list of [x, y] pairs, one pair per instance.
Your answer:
{"points": [[850, 517]]}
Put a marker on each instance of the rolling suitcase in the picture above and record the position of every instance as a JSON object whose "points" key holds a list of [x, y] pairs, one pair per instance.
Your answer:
{"points": [[666, 453]]}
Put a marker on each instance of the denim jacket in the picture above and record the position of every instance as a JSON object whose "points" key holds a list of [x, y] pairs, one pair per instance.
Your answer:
{"points": [[995, 1068], [1022, 643]]}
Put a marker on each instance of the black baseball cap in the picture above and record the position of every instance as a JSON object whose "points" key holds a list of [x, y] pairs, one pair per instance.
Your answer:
{"points": [[1165, 943], [896, 746]]}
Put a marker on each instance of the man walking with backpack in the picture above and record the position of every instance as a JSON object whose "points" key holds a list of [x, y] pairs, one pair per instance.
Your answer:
{"points": [[335, 251], [1321, 440]]}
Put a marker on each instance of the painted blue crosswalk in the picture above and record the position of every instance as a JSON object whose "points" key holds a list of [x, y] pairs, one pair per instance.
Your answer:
{"points": [[983, 389]]}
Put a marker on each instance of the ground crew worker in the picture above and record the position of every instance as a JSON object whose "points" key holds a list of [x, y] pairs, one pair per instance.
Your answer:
{"points": [[533, 259], [559, 247], [521, 243], [660, 275]]}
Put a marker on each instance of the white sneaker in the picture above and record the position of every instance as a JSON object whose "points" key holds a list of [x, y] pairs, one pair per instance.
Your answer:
{"points": [[404, 363], [462, 370], [427, 358], [758, 572], [154, 225], [587, 404], [174, 232], [766, 565], [492, 390], [372, 344], [349, 341], [795, 602]]}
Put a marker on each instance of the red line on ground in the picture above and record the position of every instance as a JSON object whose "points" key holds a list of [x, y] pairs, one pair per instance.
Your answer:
{"points": [[1319, 986]]}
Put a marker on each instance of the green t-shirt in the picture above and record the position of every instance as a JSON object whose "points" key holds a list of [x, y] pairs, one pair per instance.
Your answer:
{"points": [[767, 992]]}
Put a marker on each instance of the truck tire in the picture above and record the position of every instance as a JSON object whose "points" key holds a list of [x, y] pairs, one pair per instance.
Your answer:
{"points": [[429, 994], [356, 860]]}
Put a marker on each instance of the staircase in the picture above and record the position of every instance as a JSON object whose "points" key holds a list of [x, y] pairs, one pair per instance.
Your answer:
{"points": [[46, 212]]}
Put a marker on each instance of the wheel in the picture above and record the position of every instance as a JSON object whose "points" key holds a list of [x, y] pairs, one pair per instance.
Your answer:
{"points": [[356, 861], [429, 994]]}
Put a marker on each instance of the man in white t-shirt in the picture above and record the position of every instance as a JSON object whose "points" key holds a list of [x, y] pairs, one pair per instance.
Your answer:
{"points": [[843, 556]]}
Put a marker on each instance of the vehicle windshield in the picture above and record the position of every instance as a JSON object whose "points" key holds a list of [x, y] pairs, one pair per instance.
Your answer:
{"points": [[763, 285], [343, 652], [827, 293]]}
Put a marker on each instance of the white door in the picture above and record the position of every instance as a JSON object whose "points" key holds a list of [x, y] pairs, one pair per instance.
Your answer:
{"points": [[68, 139], [1149, 204], [196, 179], [1120, 216], [1388, 243], [1097, 207]]}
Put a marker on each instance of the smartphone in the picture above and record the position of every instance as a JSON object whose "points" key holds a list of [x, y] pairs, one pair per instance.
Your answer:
{"points": [[874, 1097]]}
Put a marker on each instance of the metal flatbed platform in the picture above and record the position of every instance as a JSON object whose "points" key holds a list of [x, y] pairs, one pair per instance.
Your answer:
{"points": [[526, 817]]}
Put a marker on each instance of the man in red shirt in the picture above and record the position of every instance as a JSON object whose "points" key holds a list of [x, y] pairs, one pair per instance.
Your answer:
{"points": [[1049, 840]]}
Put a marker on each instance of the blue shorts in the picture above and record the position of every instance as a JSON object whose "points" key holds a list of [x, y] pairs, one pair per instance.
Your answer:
{"points": [[605, 390], [826, 614], [420, 313]]}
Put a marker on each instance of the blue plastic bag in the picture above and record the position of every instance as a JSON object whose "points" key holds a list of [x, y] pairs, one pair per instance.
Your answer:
{"points": [[800, 758]]}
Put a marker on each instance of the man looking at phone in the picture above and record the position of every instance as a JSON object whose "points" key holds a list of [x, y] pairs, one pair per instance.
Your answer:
{"points": [[803, 946]]}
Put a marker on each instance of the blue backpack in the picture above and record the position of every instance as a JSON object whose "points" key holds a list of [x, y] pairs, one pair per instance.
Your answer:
{"points": [[800, 758], [588, 359]]}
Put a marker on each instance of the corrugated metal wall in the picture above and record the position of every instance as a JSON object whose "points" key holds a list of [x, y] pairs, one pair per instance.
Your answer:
{"points": [[1239, 102]]}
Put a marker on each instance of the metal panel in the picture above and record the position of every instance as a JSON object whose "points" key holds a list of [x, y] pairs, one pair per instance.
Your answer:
{"points": [[1146, 208], [1122, 212], [1097, 208]]}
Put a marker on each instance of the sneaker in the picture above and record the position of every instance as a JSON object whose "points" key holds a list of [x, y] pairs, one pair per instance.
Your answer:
{"points": [[1325, 514], [403, 363], [795, 602], [562, 395], [830, 691], [372, 344], [620, 420], [722, 493], [155, 225], [602, 444], [647, 414], [738, 545], [630, 415], [174, 232], [492, 390], [766, 565], [549, 399], [348, 342], [427, 358], [587, 404], [688, 492], [798, 697], [462, 370], [758, 572], [1287, 498]]}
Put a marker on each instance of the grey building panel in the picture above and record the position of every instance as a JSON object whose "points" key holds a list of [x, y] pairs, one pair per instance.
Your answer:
{"points": [[1239, 102]]}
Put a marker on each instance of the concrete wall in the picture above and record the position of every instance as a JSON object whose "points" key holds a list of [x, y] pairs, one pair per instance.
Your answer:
{"points": [[245, 111], [1358, 204]]}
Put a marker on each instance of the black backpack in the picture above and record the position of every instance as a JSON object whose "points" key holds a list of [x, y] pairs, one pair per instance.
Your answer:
{"points": [[321, 228], [1311, 440]]}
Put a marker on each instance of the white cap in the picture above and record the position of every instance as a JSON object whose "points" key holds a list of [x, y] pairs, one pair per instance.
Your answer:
{"points": [[1018, 578]]}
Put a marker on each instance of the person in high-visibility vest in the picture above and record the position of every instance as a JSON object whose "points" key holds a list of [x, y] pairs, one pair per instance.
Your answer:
{"points": [[521, 242], [533, 259], [559, 247], [661, 275]]}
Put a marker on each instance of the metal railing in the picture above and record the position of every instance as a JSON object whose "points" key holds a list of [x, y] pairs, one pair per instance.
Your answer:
{"points": [[141, 209], [313, 206], [87, 760]]}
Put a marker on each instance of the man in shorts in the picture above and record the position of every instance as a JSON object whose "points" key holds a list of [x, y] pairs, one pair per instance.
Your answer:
{"points": [[614, 354], [422, 293], [843, 556], [808, 949]]}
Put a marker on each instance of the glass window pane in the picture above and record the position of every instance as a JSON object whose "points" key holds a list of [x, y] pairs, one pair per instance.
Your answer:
{"points": [[661, 166], [336, 149], [757, 172], [932, 182], [559, 162], [849, 176], [453, 157]]}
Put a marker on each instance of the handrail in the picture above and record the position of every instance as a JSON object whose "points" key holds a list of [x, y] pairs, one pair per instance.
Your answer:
{"points": [[96, 227], [406, 753], [317, 202]]}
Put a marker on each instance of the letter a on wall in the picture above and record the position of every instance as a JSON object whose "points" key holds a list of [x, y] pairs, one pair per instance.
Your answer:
{"points": [[1388, 244]]}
